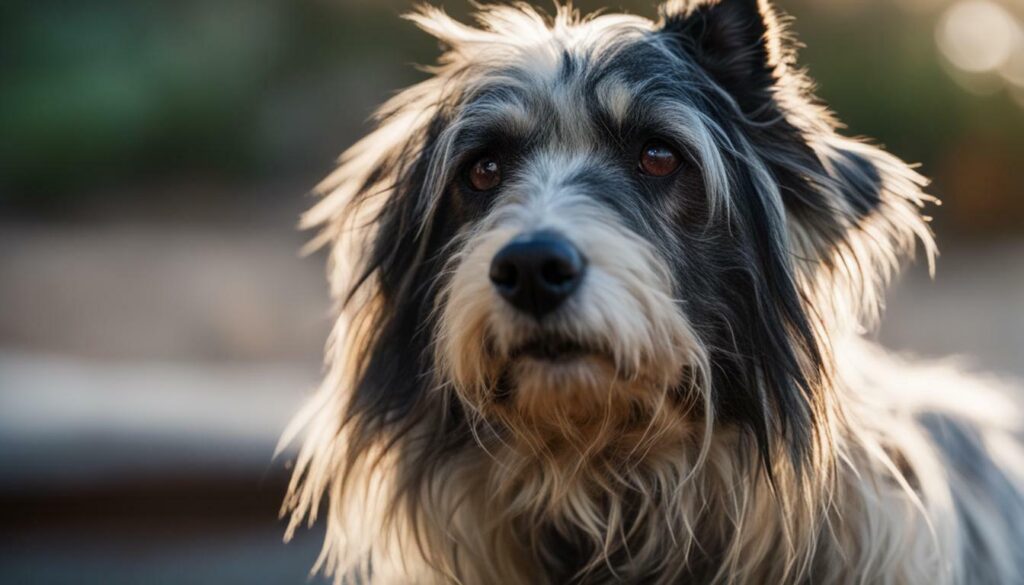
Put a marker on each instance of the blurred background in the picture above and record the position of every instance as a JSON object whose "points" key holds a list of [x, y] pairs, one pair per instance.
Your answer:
{"points": [[158, 327]]}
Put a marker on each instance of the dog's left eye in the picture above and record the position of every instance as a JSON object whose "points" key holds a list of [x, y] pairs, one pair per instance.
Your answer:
{"points": [[485, 174], [659, 159]]}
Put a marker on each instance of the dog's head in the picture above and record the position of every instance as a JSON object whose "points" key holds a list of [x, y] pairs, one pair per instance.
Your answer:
{"points": [[607, 227]]}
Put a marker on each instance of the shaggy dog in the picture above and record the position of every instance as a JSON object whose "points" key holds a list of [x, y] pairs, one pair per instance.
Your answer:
{"points": [[601, 283]]}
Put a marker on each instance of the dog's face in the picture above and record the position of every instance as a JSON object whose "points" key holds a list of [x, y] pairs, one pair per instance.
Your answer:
{"points": [[581, 191], [600, 227]]}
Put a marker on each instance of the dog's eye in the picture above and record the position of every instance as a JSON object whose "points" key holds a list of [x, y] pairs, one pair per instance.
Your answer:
{"points": [[659, 159], [485, 174]]}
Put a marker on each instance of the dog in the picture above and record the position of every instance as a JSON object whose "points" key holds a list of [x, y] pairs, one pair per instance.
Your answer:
{"points": [[602, 285]]}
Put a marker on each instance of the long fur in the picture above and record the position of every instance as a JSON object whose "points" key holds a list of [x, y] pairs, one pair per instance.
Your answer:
{"points": [[732, 426]]}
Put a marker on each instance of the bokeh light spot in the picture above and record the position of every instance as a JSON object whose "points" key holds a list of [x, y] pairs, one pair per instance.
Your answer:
{"points": [[978, 36]]}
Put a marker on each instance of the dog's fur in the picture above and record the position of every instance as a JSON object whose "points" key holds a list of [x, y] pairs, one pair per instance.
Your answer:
{"points": [[730, 425]]}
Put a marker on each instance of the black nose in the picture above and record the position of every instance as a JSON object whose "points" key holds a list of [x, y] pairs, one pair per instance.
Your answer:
{"points": [[537, 271]]}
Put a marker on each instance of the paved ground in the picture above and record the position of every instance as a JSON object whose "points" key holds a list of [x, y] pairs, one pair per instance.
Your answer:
{"points": [[974, 308]]}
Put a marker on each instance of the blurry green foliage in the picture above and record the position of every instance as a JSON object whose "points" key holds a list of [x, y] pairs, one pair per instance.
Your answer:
{"points": [[95, 93], [98, 92]]}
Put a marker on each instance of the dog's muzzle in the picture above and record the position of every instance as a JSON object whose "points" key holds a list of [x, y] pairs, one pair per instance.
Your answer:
{"points": [[537, 271]]}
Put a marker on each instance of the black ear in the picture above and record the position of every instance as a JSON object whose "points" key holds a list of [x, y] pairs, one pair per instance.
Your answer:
{"points": [[733, 40]]}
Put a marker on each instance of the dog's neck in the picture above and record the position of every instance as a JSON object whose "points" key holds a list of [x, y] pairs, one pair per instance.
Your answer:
{"points": [[579, 517]]}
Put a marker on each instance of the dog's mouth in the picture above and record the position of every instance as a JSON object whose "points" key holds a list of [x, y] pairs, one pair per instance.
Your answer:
{"points": [[553, 348]]}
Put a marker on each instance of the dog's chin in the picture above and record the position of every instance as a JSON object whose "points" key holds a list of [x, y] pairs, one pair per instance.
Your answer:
{"points": [[555, 379], [555, 351], [562, 375]]}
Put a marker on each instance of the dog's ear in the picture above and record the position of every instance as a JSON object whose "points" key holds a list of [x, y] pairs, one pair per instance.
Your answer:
{"points": [[735, 41]]}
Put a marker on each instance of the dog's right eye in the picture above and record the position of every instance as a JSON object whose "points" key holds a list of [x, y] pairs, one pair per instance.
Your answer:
{"points": [[658, 159], [485, 174]]}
